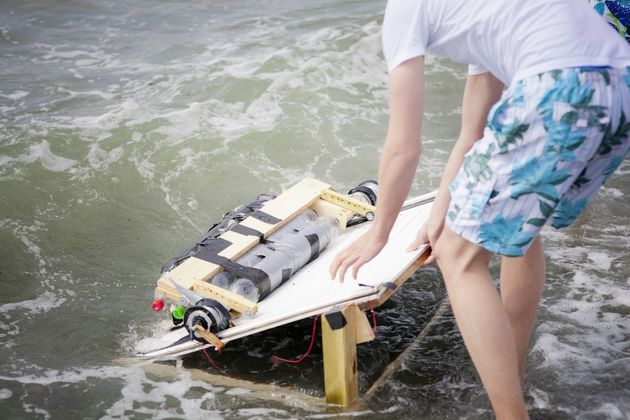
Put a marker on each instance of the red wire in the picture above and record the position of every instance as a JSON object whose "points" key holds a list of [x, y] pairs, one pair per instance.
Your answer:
{"points": [[212, 362], [373, 320], [305, 355]]}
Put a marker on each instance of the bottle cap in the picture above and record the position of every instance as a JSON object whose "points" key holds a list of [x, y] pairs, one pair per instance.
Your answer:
{"points": [[179, 312], [157, 305]]}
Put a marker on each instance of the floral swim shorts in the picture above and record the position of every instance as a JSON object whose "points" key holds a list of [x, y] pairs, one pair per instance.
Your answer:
{"points": [[550, 143]]}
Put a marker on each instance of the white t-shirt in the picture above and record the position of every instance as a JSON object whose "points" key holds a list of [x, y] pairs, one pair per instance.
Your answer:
{"points": [[512, 39]]}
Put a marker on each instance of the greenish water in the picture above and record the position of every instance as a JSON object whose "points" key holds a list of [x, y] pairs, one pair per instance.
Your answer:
{"points": [[128, 128]]}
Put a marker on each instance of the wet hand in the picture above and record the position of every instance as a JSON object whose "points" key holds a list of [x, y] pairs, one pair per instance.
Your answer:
{"points": [[354, 256]]}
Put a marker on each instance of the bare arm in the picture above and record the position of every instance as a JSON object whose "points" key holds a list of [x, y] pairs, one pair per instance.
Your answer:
{"points": [[481, 92], [397, 166]]}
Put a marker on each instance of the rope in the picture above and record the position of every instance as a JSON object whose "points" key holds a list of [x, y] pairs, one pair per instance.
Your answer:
{"points": [[305, 355]]}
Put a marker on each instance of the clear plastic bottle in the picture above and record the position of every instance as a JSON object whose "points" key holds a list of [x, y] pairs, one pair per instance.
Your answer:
{"points": [[246, 288], [225, 279], [291, 251]]}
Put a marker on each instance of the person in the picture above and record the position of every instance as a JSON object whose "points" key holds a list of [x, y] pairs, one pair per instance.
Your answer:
{"points": [[533, 154]]}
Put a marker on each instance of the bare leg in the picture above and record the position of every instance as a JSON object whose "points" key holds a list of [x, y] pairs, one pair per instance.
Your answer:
{"points": [[522, 282], [483, 322]]}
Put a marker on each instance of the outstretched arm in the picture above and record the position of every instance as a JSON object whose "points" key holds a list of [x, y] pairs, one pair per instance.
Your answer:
{"points": [[397, 166], [481, 92]]}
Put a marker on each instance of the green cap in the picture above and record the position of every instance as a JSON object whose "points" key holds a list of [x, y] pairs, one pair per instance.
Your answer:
{"points": [[178, 312]]}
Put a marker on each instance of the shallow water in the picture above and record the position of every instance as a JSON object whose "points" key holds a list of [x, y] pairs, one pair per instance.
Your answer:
{"points": [[128, 128]]}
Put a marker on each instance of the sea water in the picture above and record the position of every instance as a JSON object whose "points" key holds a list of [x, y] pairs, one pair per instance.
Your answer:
{"points": [[128, 127]]}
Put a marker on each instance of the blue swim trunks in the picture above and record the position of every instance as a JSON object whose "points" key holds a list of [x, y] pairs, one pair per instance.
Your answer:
{"points": [[550, 143]]}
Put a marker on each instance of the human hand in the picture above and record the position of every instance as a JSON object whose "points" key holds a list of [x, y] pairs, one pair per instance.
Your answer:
{"points": [[428, 234], [356, 254]]}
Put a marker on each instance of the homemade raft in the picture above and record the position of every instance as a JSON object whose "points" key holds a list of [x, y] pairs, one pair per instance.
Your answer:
{"points": [[247, 254]]}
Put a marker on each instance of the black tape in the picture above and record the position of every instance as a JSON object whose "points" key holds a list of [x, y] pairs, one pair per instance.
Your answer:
{"points": [[264, 217], [286, 274], [247, 231], [336, 320], [259, 277], [219, 307], [212, 246], [313, 240], [389, 285], [365, 191]]}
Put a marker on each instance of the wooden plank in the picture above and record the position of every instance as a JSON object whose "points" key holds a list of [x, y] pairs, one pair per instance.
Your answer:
{"points": [[209, 337], [350, 203], [340, 360], [364, 331], [228, 298], [256, 224], [325, 208], [296, 199]]}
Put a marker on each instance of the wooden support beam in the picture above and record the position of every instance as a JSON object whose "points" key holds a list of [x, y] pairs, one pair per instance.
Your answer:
{"points": [[364, 331], [339, 339]]}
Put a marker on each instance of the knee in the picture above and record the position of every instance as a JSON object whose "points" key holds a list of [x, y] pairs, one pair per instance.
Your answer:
{"points": [[442, 253], [455, 255], [446, 256]]}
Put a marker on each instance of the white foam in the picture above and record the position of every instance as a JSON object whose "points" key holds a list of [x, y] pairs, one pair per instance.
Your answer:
{"points": [[558, 355], [41, 152], [18, 94], [41, 304], [600, 259], [100, 159], [262, 412], [134, 394], [540, 397], [33, 409], [238, 391], [5, 393], [145, 168], [610, 192], [607, 410]]}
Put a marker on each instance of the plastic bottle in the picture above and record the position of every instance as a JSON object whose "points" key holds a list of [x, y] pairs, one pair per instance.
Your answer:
{"points": [[225, 279], [292, 249], [246, 288]]}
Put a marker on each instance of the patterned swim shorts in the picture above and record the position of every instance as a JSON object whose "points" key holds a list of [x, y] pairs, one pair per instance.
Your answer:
{"points": [[550, 143]]}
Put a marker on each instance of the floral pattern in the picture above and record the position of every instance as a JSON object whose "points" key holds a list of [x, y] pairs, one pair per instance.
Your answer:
{"points": [[537, 177], [567, 211], [550, 143], [616, 12], [505, 236]]}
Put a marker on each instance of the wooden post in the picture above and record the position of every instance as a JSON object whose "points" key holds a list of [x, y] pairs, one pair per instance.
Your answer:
{"points": [[339, 339]]}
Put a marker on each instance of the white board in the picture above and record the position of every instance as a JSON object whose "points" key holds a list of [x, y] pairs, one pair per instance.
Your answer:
{"points": [[311, 291]]}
